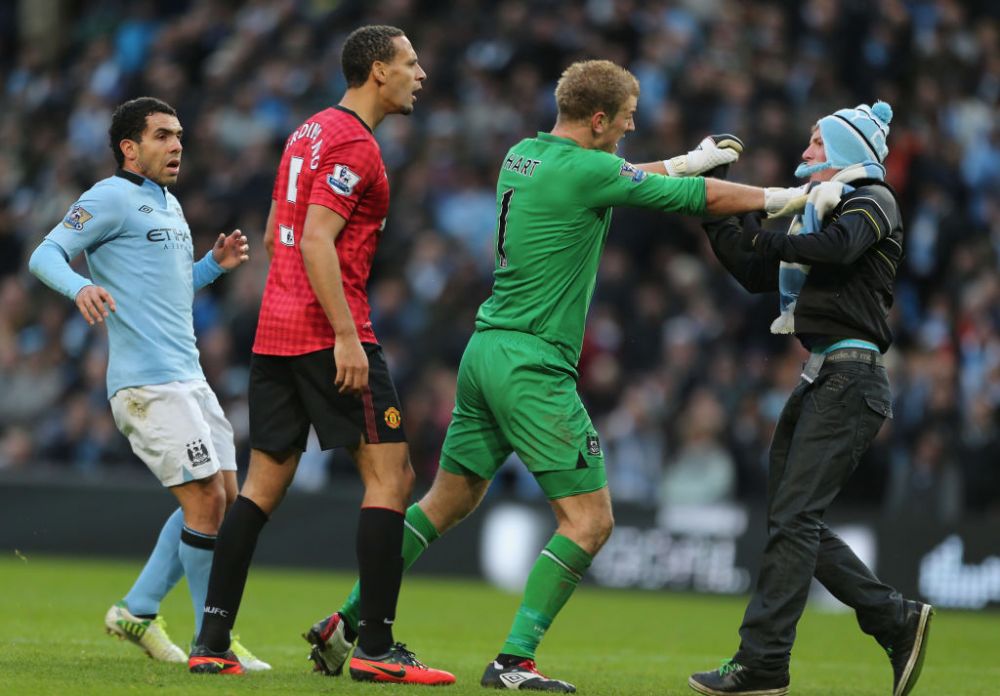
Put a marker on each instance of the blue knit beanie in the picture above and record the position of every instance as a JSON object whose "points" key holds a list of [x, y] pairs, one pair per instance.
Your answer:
{"points": [[852, 136]]}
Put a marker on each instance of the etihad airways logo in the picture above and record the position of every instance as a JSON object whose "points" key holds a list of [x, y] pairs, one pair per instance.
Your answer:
{"points": [[170, 238]]}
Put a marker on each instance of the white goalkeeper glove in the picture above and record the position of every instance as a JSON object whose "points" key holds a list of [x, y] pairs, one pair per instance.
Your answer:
{"points": [[714, 151], [782, 202], [825, 196], [785, 202]]}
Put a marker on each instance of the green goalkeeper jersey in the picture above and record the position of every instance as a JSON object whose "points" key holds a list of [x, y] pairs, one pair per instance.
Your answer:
{"points": [[554, 201]]}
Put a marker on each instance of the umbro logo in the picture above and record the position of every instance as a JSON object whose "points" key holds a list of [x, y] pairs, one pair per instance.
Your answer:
{"points": [[145, 209], [512, 678]]}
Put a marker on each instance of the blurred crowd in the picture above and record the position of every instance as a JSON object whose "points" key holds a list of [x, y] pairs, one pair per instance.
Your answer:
{"points": [[679, 371]]}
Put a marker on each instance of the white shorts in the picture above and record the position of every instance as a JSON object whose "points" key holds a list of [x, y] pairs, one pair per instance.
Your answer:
{"points": [[178, 429]]}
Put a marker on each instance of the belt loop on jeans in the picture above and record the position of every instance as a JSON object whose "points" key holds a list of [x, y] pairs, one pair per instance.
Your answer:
{"points": [[812, 366]]}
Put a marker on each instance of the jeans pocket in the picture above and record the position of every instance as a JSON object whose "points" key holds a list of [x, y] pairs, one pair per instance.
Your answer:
{"points": [[870, 421], [879, 406]]}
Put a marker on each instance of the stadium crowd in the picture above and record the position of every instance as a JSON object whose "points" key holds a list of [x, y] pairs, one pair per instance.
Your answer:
{"points": [[679, 370]]}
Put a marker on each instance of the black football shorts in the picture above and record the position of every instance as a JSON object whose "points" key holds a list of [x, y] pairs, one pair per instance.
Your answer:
{"points": [[288, 393]]}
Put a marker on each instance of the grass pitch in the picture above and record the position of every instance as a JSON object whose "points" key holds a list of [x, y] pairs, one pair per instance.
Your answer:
{"points": [[606, 642]]}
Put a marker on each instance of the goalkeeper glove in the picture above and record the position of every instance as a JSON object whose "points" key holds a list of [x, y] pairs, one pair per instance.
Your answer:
{"points": [[714, 151], [784, 202], [825, 197]]}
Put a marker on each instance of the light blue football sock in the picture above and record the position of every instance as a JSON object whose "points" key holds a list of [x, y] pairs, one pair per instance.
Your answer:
{"points": [[196, 551], [161, 572]]}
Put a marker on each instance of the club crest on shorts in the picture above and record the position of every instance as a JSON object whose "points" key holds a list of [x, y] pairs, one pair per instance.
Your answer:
{"points": [[593, 445], [76, 218], [392, 417], [198, 453]]}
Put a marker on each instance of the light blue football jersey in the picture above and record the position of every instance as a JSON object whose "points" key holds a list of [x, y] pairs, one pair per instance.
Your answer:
{"points": [[138, 247]]}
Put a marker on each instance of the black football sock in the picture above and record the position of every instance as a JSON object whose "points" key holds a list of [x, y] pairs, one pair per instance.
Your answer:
{"points": [[233, 552], [380, 571]]}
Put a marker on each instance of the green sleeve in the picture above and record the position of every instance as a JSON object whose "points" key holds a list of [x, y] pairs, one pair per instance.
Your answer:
{"points": [[613, 182]]}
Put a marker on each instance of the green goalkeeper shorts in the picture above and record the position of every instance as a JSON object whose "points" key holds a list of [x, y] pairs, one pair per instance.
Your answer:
{"points": [[515, 393]]}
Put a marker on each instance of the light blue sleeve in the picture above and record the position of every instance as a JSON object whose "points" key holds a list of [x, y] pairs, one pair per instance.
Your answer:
{"points": [[96, 217], [50, 264], [205, 271]]}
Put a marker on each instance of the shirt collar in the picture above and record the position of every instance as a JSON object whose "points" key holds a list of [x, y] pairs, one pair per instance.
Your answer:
{"points": [[548, 137], [137, 179], [355, 115]]}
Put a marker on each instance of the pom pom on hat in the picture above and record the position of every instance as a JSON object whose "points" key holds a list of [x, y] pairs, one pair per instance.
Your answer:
{"points": [[856, 136], [882, 111]]}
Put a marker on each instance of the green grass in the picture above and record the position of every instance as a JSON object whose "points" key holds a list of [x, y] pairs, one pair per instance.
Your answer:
{"points": [[606, 642]]}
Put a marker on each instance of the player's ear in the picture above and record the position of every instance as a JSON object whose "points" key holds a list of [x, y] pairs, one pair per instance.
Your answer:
{"points": [[128, 147], [598, 122], [379, 70]]}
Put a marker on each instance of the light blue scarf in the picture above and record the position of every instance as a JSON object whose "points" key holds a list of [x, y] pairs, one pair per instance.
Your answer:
{"points": [[792, 276]]}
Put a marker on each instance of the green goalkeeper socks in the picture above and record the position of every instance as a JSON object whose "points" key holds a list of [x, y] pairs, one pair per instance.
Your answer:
{"points": [[552, 580], [418, 533]]}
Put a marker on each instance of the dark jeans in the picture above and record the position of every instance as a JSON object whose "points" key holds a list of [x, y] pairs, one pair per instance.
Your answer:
{"points": [[823, 430]]}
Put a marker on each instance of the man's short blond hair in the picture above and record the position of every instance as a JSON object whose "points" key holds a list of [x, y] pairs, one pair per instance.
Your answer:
{"points": [[589, 86]]}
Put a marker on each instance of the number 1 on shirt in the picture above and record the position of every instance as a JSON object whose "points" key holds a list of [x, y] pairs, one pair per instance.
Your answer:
{"points": [[502, 226]]}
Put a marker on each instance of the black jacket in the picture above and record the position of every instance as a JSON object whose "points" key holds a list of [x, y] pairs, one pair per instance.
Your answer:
{"points": [[853, 260]]}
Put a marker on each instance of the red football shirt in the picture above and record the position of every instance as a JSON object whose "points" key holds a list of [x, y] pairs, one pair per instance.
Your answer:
{"points": [[331, 160]]}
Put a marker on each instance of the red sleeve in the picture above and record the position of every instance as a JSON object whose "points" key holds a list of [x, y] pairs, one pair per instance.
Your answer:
{"points": [[345, 172]]}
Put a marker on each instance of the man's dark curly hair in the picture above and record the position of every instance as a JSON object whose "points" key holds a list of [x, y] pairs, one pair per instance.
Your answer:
{"points": [[364, 46], [129, 121]]}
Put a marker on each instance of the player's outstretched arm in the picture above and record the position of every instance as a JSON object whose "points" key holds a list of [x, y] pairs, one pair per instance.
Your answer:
{"points": [[713, 154], [726, 198]]}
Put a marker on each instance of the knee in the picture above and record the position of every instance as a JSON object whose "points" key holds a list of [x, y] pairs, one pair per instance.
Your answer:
{"points": [[231, 487], [214, 498], [209, 507], [444, 511], [389, 486], [795, 524], [407, 479], [602, 528], [267, 498], [398, 484], [591, 532], [266, 494]]}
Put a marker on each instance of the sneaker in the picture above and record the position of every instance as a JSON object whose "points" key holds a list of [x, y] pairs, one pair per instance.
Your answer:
{"points": [[330, 645], [522, 675], [906, 653], [148, 634], [398, 666], [250, 662], [204, 661], [734, 678]]}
